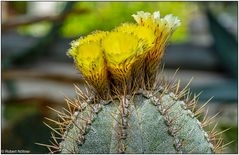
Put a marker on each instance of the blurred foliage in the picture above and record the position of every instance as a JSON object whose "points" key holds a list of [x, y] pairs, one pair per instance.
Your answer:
{"points": [[23, 127], [229, 7], [226, 15], [23, 135], [38, 29], [19, 7], [107, 15], [16, 112]]}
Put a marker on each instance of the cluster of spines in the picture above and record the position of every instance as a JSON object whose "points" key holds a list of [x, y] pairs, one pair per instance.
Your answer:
{"points": [[67, 117], [165, 111], [121, 126], [190, 103]]}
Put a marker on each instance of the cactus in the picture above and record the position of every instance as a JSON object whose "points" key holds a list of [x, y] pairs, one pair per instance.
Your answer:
{"points": [[128, 106]]}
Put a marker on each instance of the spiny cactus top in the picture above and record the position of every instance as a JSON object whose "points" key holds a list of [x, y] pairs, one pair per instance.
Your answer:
{"points": [[131, 108]]}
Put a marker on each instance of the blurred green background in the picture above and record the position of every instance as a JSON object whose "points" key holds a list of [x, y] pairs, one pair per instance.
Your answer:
{"points": [[98, 17], [36, 71]]}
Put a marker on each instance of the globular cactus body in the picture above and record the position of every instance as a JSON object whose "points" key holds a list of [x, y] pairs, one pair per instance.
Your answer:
{"points": [[145, 123]]}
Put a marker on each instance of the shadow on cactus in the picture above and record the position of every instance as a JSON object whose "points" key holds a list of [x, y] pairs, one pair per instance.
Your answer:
{"points": [[128, 106]]}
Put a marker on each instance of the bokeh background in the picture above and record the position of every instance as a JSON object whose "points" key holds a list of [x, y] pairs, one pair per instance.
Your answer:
{"points": [[36, 72]]}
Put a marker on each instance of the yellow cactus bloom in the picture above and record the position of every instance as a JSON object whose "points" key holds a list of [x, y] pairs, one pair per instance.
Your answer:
{"points": [[89, 59], [142, 32], [148, 36], [126, 55], [122, 50], [163, 29], [94, 37]]}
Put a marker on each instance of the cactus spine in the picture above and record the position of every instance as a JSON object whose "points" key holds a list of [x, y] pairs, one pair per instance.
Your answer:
{"points": [[128, 107]]}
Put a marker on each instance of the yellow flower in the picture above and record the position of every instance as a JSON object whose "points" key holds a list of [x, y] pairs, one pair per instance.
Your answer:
{"points": [[147, 35], [163, 29], [89, 59], [122, 50], [126, 55], [94, 37], [142, 32]]}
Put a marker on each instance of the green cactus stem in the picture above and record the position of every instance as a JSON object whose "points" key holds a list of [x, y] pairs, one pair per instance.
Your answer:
{"points": [[148, 122]]}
